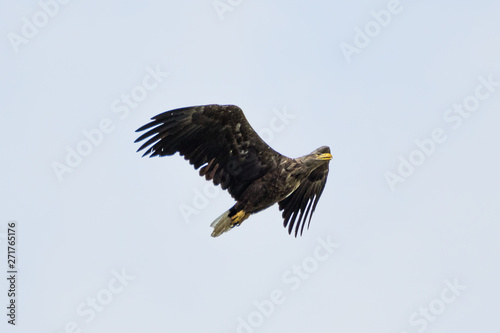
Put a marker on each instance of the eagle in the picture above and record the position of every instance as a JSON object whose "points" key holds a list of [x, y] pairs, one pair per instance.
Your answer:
{"points": [[219, 141]]}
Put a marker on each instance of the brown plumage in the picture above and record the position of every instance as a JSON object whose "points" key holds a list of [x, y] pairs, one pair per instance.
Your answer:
{"points": [[218, 140]]}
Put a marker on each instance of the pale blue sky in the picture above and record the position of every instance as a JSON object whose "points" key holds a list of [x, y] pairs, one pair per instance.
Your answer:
{"points": [[428, 242]]}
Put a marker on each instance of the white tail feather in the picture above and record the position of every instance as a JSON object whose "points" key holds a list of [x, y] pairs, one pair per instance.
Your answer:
{"points": [[221, 224]]}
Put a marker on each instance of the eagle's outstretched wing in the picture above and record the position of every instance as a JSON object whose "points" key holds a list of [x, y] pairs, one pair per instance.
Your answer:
{"points": [[217, 138], [303, 200]]}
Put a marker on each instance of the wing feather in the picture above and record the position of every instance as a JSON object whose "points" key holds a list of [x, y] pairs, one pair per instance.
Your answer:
{"points": [[302, 202], [217, 138]]}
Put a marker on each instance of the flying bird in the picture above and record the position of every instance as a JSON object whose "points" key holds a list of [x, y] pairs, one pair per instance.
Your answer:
{"points": [[218, 140]]}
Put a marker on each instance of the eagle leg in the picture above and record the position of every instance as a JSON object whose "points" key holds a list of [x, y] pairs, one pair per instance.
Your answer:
{"points": [[227, 221], [238, 218]]}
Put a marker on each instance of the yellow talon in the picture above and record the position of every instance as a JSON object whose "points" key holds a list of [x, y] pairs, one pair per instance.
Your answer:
{"points": [[239, 217]]}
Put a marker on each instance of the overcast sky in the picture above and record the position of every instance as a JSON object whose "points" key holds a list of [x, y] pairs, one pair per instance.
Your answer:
{"points": [[404, 239]]}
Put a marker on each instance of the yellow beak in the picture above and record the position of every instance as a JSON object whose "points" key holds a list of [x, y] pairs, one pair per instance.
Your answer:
{"points": [[325, 157]]}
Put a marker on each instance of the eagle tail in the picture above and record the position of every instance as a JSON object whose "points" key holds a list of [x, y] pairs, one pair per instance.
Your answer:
{"points": [[227, 221]]}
